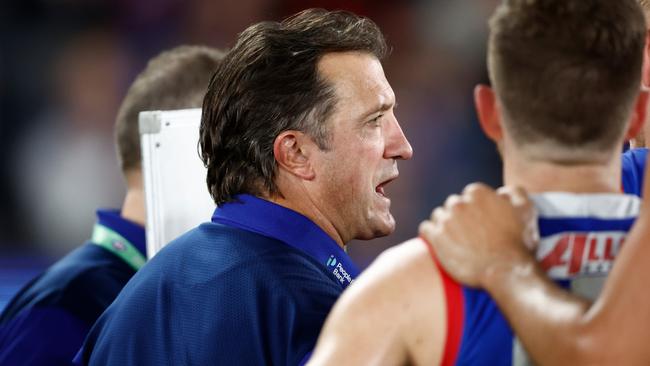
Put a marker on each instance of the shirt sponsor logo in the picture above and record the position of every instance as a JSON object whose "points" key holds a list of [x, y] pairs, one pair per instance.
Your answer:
{"points": [[567, 255], [339, 272], [331, 262]]}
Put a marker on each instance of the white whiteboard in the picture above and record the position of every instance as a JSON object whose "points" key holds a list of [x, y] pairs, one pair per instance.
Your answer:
{"points": [[176, 193]]}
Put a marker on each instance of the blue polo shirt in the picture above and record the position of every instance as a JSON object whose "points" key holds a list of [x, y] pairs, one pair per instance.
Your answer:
{"points": [[251, 287], [47, 321]]}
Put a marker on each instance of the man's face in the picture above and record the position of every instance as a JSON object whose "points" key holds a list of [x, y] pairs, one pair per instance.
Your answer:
{"points": [[365, 140]]}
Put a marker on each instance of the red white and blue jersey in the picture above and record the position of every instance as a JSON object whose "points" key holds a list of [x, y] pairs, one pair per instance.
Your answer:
{"points": [[580, 236]]}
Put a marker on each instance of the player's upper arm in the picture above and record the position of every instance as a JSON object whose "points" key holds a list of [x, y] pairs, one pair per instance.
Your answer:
{"points": [[392, 314]]}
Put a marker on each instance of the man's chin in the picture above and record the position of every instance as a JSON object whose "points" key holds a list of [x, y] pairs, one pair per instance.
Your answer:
{"points": [[380, 229]]}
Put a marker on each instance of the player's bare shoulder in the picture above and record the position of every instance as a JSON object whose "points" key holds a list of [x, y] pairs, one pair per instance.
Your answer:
{"points": [[406, 259], [392, 314], [403, 270]]}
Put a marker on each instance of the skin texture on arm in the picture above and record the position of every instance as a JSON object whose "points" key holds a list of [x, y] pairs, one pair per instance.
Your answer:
{"points": [[393, 314], [554, 326]]}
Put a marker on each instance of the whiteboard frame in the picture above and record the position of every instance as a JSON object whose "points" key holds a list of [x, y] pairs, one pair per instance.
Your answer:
{"points": [[168, 177]]}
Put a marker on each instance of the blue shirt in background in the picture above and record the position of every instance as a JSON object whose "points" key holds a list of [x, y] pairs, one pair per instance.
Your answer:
{"points": [[47, 321], [633, 164]]}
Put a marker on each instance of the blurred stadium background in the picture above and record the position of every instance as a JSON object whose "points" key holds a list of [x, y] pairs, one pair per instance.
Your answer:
{"points": [[66, 64]]}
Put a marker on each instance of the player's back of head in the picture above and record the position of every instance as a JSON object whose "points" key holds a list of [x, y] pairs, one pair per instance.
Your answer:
{"points": [[175, 79], [566, 74]]}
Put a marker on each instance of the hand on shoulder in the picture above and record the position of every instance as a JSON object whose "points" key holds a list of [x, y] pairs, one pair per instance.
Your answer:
{"points": [[481, 230]]}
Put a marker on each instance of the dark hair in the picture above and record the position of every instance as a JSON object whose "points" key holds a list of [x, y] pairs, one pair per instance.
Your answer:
{"points": [[174, 79], [567, 72], [269, 83]]}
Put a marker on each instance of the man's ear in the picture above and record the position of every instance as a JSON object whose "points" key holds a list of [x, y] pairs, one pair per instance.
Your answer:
{"points": [[639, 114], [292, 152], [489, 116]]}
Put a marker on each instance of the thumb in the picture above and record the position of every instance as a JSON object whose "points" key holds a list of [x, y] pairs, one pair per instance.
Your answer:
{"points": [[525, 208]]}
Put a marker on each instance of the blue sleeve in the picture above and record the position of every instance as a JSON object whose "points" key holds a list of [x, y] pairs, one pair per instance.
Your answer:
{"points": [[633, 164], [41, 336]]}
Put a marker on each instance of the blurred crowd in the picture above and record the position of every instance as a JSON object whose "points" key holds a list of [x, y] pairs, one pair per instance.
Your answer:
{"points": [[66, 64]]}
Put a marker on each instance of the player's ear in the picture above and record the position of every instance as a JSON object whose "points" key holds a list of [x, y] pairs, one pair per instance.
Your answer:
{"points": [[489, 115], [639, 114], [291, 150]]}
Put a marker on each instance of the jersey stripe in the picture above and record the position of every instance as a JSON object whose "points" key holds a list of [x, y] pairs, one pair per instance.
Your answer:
{"points": [[553, 226], [455, 312]]}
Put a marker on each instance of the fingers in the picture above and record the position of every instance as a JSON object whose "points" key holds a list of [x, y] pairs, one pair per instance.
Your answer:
{"points": [[426, 231], [517, 195], [476, 190], [452, 201], [519, 198], [473, 193], [441, 212]]}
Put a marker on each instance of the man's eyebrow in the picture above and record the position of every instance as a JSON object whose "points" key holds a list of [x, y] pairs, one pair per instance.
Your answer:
{"points": [[380, 108]]}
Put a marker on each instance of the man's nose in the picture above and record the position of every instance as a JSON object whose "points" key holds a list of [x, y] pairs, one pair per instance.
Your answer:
{"points": [[397, 146]]}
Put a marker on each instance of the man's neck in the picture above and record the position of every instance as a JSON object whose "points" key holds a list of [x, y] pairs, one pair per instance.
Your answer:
{"points": [[307, 208], [133, 206], [296, 196], [542, 176]]}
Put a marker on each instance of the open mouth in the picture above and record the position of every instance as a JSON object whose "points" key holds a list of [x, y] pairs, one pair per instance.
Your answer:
{"points": [[380, 188]]}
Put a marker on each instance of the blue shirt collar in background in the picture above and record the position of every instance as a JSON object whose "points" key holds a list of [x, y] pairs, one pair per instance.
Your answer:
{"points": [[272, 220], [131, 231]]}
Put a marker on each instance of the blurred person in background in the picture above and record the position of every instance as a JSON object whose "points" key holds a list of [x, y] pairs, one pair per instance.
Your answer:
{"points": [[565, 98], [46, 322], [68, 152], [300, 140]]}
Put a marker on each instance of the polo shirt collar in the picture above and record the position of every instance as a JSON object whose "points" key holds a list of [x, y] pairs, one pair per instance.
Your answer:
{"points": [[131, 231], [294, 229]]}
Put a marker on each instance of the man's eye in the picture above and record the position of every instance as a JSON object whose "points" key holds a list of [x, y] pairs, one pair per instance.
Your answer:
{"points": [[375, 121]]}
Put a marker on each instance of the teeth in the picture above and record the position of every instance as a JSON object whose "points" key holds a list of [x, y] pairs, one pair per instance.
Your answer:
{"points": [[380, 190]]}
